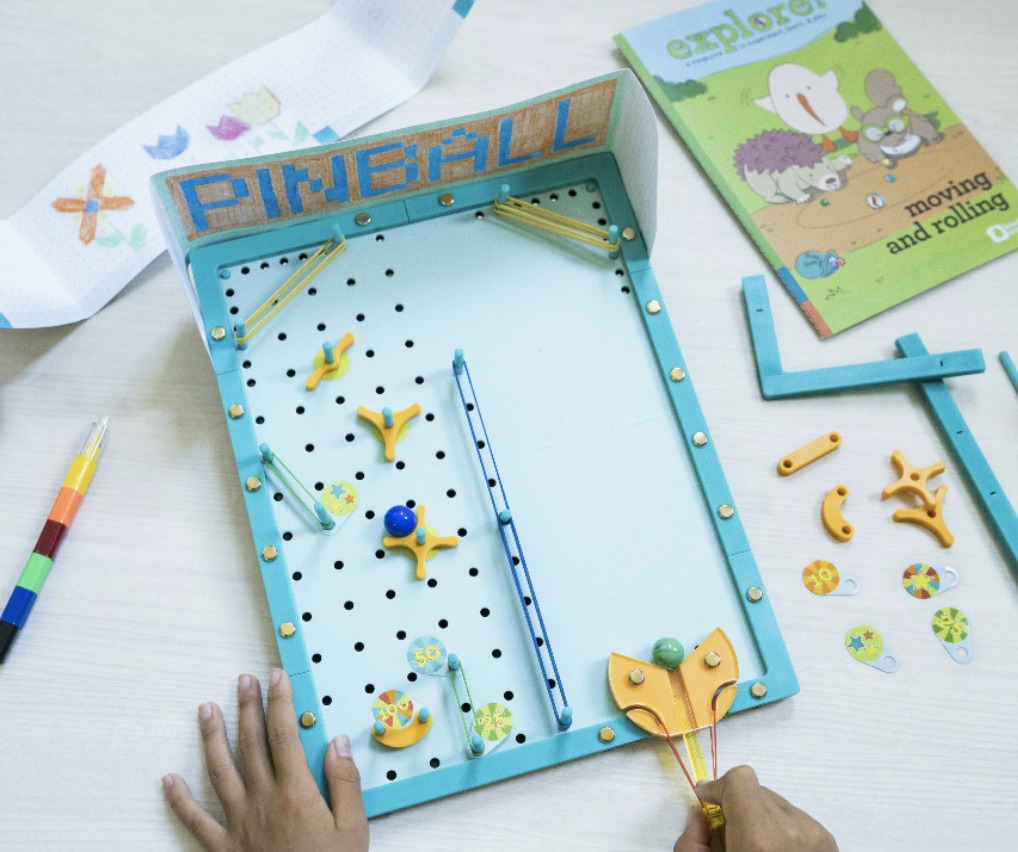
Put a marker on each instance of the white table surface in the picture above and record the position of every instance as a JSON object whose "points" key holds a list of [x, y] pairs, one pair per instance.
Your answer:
{"points": [[153, 605]]}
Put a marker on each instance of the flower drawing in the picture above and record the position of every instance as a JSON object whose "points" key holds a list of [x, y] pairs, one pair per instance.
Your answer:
{"points": [[258, 108], [91, 205], [229, 128], [167, 147]]}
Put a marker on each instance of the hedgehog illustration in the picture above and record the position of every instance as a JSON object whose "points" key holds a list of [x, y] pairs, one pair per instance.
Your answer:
{"points": [[782, 166]]}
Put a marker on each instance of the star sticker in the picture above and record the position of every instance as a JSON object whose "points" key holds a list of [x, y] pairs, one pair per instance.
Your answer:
{"points": [[855, 643], [868, 634], [348, 498], [922, 581]]}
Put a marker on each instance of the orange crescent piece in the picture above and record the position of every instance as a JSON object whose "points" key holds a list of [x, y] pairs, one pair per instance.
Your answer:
{"points": [[406, 736], [830, 513]]}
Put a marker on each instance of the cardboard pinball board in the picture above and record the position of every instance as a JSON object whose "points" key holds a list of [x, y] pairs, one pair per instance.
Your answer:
{"points": [[619, 507]]}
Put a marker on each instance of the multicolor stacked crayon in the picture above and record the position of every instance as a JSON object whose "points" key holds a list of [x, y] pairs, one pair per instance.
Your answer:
{"points": [[75, 485]]}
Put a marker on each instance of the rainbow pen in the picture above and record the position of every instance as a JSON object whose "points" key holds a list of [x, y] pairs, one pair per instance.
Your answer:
{"points": [[15, 614]]}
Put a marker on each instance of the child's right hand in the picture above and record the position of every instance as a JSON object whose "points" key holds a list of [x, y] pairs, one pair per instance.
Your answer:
{"points": [[756, 819]]}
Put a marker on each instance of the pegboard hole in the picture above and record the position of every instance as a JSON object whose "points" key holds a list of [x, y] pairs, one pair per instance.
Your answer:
{"points": [[496, 653], [340, 400], [401, 635], [390, 594], [409, 344], [443, 623], [321, 326], [399, 309], [410, 504], [389, 273], [521, 738], [319, 486], [251, 383], [246, 365], [264, 265], [235, 310], [440, 454], [435, 762], [297, 575], [540, 642], [360, 317], [358, 646], [370, 353], [326, 700], [287, 536], [480, 445], [244, 270], [429, 416], [391, 774], [462, 532], [485, 612], [379, 238], [309, 448], [299, 409], [338, 564], [350, 282], [465, 707], [306, 616], [400, 465], [432, 583], [369, 688], [379, 554], [451, 492], [316, 658], [473, 572], [259, 420], [348, 605], [349, 437], [283, 261], [551, 683], [419, 380], [369, 514], [359, 475], [508, 696], [492, 483], [229, 294], [312, 291], [277, 496], [291, 373], [411, 676], [281, 335]]}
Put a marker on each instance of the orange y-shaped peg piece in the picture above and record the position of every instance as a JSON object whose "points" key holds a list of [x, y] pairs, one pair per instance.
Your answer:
{"points": [[388, 423], [421, 541]]}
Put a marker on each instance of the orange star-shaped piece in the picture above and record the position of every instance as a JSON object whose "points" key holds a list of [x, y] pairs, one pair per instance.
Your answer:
{"points": [[913, 480], [421, 545], [930, 517]]}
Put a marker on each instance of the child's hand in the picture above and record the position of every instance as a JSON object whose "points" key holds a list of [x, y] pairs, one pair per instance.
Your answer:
{"points": [[275, 804], [756, 819]]}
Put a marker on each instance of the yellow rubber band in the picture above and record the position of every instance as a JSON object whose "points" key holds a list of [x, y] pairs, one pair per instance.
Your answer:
{"points": [[556, 223], [295, 284]]}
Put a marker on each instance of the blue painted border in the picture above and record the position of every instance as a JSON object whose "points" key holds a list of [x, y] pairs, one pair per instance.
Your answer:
{"points": [[206, 262]]}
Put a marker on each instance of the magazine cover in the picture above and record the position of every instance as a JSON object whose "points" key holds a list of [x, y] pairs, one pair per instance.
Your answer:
{"points": [[857, 181]]}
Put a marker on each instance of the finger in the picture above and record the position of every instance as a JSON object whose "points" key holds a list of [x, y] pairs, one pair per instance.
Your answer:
{"points": [[696, 837], [251, 737], [202, 825], [345, 788], [738, 792], [223, 774], [284, 740]]}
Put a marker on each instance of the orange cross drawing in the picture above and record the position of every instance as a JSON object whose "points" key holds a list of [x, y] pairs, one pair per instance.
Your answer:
{"points": [[91, 204]]}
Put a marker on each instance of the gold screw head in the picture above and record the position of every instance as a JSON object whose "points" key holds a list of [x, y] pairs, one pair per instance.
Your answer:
{"points": [[218, 333], [636, 677], [677, 374], [754, 593], [699, 439], [269, 553], [712, 659], [446, 199], [286, 629], [629, 234], [725, 511], [363, 219], [253, 483], [307, 719], [236, 410], [653, 307], [606, 734], [758, 690]]}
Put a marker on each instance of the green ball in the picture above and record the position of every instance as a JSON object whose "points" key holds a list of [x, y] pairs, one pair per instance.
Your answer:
{"points": [[668, 652]]}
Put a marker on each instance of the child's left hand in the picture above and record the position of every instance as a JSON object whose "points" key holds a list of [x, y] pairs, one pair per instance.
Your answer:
{"points": [[275, 804]]}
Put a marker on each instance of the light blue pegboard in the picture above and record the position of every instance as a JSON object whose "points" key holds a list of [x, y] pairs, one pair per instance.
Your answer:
{"points": [[591, 411]]}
